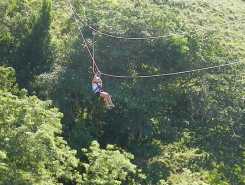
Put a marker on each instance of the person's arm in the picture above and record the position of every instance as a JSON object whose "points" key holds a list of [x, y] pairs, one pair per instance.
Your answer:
{"points": [[97, 79]]}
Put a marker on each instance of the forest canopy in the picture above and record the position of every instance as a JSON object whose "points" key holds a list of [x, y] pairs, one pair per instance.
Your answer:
{"points": [[181, 129]]}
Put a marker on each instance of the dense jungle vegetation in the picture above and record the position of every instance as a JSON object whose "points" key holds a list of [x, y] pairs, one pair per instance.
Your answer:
{"points": [[185, 129]]}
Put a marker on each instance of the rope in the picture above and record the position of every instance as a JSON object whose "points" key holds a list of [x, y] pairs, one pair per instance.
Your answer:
{"points": [[93, 42], [95, 67]]}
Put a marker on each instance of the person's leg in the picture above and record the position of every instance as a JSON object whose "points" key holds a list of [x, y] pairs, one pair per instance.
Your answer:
{"points": [[107, 99], [104, 98]]}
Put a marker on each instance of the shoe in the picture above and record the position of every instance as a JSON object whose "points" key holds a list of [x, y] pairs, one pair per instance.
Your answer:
{"points": [[110, 106]]}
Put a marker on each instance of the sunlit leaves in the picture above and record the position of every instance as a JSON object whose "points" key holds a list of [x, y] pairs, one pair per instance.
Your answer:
{"points": [[31, 152], [109, 166]]}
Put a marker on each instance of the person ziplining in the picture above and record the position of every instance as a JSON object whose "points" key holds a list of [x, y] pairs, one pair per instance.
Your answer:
{"points": [[97, 88], [97, 82]]}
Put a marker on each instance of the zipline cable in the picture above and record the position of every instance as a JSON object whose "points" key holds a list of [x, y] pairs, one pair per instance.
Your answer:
{"points": [[133, 38], [174, 73], [143, 76], [129, 38], [122, 37]]}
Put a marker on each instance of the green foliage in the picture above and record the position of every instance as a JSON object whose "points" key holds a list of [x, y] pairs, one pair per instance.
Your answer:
{"points": [[181, 129], [109, 166], [31, 149], [7, 78], [186, 178], [25, 43], [171, 160]]}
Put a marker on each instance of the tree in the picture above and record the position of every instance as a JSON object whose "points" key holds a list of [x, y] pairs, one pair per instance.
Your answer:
{"points": [[25, 40], [109, 166], [31, 150]]}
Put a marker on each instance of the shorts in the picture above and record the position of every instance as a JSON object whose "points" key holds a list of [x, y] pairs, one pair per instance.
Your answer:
{"points": [[98, 92]]}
